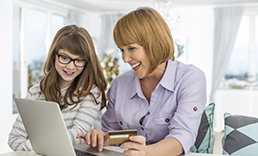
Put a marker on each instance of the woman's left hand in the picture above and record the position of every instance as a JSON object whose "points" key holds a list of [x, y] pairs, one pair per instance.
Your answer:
{"points": [[136, 146]]}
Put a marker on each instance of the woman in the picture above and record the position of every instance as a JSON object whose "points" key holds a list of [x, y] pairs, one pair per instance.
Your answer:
{"points": [[162, 98], [74, 79]]}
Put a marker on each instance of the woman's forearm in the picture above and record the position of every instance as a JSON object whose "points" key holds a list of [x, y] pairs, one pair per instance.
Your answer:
{"points": [[165, 147]]}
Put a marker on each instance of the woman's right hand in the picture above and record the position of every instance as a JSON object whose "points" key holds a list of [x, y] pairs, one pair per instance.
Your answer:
{"points": [[95, 138]]}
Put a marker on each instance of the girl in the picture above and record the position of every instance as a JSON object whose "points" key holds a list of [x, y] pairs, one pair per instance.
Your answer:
{"points": [[73, 79]]}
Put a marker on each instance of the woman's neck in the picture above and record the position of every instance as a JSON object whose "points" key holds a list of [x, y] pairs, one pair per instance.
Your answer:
{"points": [[155, 76], [149, 83]]}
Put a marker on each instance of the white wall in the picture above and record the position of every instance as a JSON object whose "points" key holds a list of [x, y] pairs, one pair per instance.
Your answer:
{"points": [[6, 17], [92, 23], [197, 26]]}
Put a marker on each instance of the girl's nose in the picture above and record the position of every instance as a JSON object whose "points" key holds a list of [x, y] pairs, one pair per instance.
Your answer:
{"points": [[71, 65]]}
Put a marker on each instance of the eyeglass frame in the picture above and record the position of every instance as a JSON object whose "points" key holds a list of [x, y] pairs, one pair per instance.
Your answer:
{"points": [[58, 56]]}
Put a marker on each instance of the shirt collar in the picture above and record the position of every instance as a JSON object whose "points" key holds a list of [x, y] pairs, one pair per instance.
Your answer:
{"points": [[136, 88], [167, 80]]}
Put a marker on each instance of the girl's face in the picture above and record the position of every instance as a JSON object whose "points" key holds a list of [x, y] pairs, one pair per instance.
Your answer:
{"points": [[135, 55], [68, 71]]}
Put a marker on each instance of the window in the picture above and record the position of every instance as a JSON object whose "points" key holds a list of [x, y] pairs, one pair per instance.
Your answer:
{"points": [[242, 68], [256, 45], [16, 56], [33, 32], [35, 45], [238, 63]]}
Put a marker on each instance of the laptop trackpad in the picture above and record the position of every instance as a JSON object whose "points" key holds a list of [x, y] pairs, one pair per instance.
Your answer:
{"points": [[88, 149]]}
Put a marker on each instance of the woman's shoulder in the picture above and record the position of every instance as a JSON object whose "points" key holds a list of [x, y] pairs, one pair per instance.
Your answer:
{"points": [[183, 68], [125, 78], [188, 73], [122, 81]]}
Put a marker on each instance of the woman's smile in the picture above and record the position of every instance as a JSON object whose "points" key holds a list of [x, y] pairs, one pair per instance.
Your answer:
{"points": [[136, 66]]}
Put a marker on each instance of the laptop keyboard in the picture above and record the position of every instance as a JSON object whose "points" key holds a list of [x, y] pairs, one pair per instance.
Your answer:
{"points": [[81, 153]]}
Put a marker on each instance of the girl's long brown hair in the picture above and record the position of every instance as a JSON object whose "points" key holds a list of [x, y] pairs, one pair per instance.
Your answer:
{"points": [[77, 41]]}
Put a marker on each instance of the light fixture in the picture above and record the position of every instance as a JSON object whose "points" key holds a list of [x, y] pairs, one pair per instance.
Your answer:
{"points": [[164, 7]]}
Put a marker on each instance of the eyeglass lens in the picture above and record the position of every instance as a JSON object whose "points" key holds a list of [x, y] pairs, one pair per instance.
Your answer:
{"points": [[66, 60]]}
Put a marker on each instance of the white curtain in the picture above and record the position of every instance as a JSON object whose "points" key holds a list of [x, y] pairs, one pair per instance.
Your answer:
{"points": [[75, 17], [107, 45], [108, 22], [227, 21]]}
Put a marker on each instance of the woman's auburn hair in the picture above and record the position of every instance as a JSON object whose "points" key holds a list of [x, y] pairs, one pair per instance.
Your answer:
{"points": [[146, 27], [77, 41]]}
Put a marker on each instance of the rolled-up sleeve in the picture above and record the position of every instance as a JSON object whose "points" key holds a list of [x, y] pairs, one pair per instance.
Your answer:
{"points": [[191, 96]]}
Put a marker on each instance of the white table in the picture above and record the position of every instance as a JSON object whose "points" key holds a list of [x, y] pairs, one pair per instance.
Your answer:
{"points": [[114, 148], [34, 154]]}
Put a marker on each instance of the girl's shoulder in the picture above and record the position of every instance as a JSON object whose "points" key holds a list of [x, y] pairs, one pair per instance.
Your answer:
{"points": [[35, 88], [95, 89], [34, 92]]}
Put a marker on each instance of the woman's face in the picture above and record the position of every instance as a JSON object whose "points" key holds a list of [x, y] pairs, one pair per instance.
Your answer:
{"points": [[135, 55], [68, 72]]}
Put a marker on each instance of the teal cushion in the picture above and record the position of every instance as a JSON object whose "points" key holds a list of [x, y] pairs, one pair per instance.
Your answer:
{"points": [[204, 139], [241, 135]]}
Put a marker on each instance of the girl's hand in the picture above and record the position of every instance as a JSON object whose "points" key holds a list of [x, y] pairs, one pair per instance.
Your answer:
{"points": [[136, 146], [95, 138]]}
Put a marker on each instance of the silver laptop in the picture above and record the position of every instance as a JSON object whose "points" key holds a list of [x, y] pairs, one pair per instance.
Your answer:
{"points": [[47, 132]]}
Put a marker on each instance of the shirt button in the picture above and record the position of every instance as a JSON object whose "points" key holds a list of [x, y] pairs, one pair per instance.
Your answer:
{"points": [[142, 128], [148, 113], [120, 122], [167, 120], [195, 108]]}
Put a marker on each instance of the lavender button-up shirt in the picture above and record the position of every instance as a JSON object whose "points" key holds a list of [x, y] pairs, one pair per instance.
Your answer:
{"points": [[175, 107]]}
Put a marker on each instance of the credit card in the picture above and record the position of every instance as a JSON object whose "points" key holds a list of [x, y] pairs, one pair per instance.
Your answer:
{"points": [[120, 136]]}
